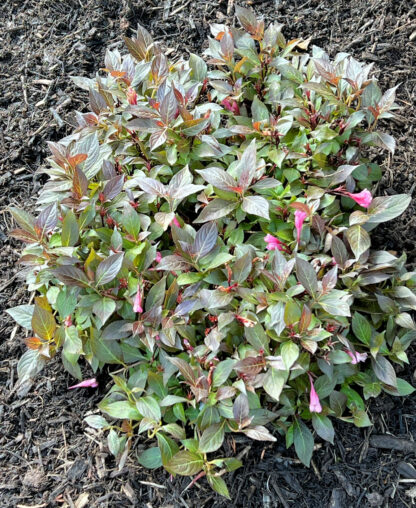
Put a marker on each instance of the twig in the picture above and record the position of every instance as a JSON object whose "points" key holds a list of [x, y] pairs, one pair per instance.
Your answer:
{"points": [[181, 8], [22, 79]]}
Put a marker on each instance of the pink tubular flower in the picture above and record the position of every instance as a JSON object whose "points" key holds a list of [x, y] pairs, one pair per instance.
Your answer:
{"points": [[87, 383], [176, 222], [158, 257], [314, 402], [137, 305], [362, 198], [273, 243], [299, 220], [231, 105], [356, 357], [131, 96]]}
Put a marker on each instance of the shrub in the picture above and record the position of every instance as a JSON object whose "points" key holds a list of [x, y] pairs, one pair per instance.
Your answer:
{"points": [[207, 232]]}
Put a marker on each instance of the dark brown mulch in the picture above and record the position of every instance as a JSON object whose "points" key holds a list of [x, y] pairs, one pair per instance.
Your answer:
{"points": [[46, 456]]}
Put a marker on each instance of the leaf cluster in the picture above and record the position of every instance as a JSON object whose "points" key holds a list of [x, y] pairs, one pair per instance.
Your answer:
{"points": [[149, 251]]}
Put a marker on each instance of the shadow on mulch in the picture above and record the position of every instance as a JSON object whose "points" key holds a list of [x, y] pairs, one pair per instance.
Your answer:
{"points": [[47, 458]]}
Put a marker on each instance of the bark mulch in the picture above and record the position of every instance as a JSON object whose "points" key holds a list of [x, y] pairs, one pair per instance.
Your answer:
{"points": [[47, 456]]}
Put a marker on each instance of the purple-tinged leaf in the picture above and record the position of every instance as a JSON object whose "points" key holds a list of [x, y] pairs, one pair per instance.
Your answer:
{"points": [[248, 165], [329, 280], [216, 209], [157, 139], [185, 191], [339, 251], [384, 370], [307, 276], [227, 46], [108, 269], [218, 178], [359, 240], [247, 18], [205, 240], [47, 220], [241, 409], [25, 220], [173, 262], [185, 369], [256, 205], [71, 276], [152, 187], [79, 183], [168, 108], [113, 187], [259, 433]]}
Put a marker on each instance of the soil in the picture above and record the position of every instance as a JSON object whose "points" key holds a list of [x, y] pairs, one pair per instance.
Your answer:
{"points": [[47, 457]]}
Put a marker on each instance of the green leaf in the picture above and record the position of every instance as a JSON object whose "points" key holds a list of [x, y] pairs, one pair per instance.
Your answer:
{"points": [[198, 67], [122, 409], [131, 221], [212, 438], [104, 308], [257, 337], [361, 328], [404, 388], [290, 353], [66, 302], [323, 427], [188, 278], [334, 306], [151, 458], [222, 372], [22, 314], [73, 344], [259, 110], [113, 442], [274, 381], [359, 240], [96, 421], [219, 485], [361, 419], [149, 408], [70, 230], [185, 463], [303, 441]]}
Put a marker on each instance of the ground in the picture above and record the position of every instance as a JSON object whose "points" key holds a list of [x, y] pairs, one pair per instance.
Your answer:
{"points": [[47, 458]]}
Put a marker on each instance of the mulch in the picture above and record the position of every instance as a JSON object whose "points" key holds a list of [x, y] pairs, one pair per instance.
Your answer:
{"points": [[47, 456]]}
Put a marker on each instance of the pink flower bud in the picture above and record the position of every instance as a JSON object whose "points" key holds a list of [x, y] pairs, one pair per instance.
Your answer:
{"points": [[158, 257], [231, 105], [87, 383], [314, 402], [176, 222], [131, 96], [273, 243], [362, 198], [137, 305], [299, 220], [356, 357]]}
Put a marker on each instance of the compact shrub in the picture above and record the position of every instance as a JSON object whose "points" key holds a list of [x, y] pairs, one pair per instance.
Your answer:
{"points": [[207, 232]]}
